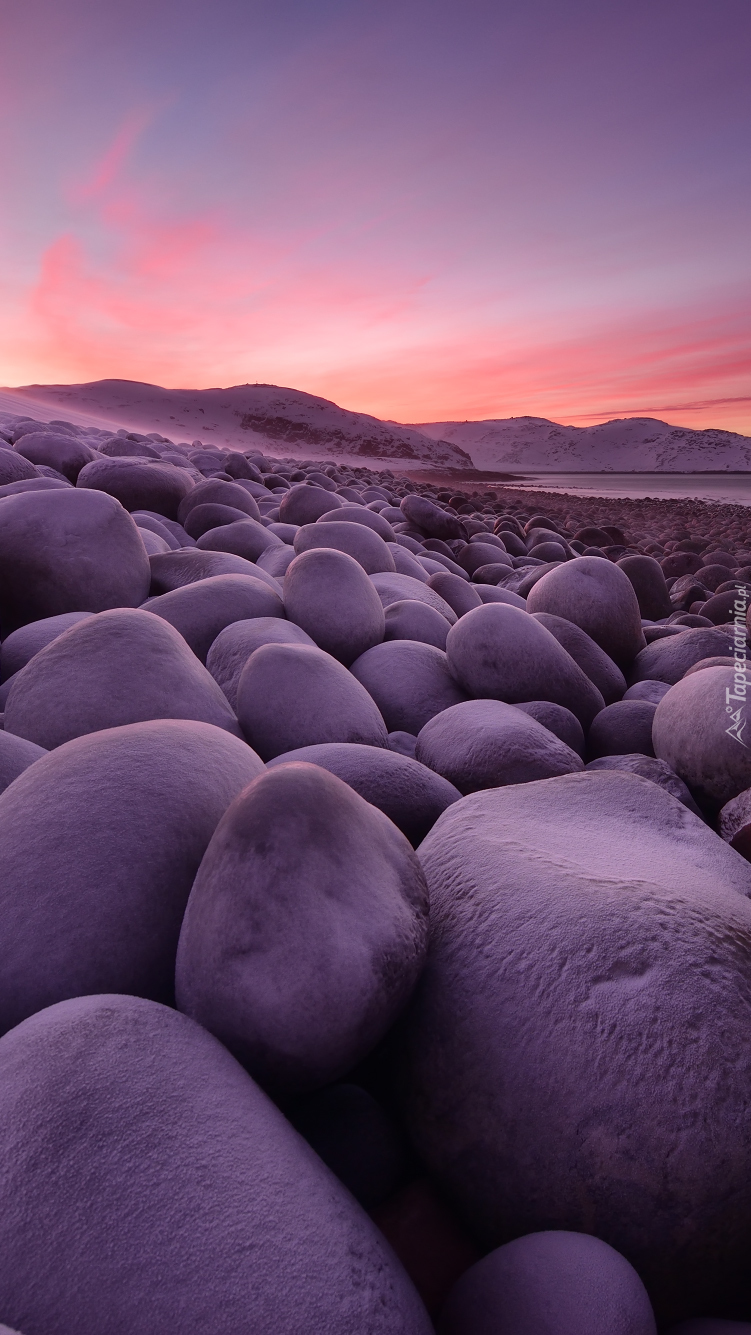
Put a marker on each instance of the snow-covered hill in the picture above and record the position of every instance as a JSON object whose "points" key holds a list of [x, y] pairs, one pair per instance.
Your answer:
{"points": [[626, 445], [265, 417]]}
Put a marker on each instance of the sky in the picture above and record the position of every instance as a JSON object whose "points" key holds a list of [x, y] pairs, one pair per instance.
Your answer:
{"points": [[423, 209]]}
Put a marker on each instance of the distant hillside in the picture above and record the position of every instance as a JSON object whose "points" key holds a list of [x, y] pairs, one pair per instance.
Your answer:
{"points": [[627, 445], [265, 417]]}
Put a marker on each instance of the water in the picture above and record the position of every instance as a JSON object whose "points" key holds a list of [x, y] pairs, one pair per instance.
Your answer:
{"points": [[723, 488]]}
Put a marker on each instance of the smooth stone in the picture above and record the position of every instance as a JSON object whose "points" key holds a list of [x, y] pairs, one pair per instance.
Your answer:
{"points": [[699, 729], [723, 607], [558, 720], [208, 516], [648, 580], [290, 696], [395, 588], [652, 691], [648, 767], [103, 912], [123, 666], [498, 652], [328, 594], [407, 564], [718, 660], [16, 755], [200, 611], [66, 454], [138, 484], [669, 659], [459, 595], [477, 554], [14, 467], [356, 540], [168, 528], [305, 931], [410, 620], [277, 561], [493, 594], [734, 823], [622, 729], [404, 743], [233, 646], [577, 1054], [215, 491], [304, 505], [68, 551], [532, 577], [360, 514], [167, 1193], [599, 598], [356, 1138], [409, 681], [430, 519], [180, 568], [153, 544], [159, 529], [548, 551], [589, 1287], [412, 796], [485, 743], [21, 645], [36, 483]]}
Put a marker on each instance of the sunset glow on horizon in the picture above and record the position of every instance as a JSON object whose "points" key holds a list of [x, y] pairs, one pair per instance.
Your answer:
{"points": [[424, 211]]}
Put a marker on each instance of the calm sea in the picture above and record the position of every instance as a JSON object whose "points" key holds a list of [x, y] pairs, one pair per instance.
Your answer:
{"points": [[725, 488]]}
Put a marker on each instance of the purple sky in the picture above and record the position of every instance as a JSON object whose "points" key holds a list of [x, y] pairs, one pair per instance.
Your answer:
{"points": [[421, 210]]}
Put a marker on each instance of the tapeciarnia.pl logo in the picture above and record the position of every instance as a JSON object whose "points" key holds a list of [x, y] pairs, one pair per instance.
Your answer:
{"points": [[738, 693]]}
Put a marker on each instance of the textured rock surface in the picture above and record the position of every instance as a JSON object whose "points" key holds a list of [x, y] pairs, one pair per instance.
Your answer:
{"points": [[599, 598]]}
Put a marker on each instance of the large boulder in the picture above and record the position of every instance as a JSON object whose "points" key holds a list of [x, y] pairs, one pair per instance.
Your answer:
{"points": [[670, 658], [173, 570], [497, 652], [410, 794], [138, 484], [66, 454], [123, 666], [290, 696], [67, 551], [410, 620], [201, 610], [215, 491], [587, 1285], [430, 519], [597, 596], [360, 514], [304, 505], [19, 647], [167, 1193], [246, 538], [457, 592], [484, 744], [357, 540], [16, 755], [648, 579], [558, 720], [624, 728], [208, 516], [701, 730], [233, 646], [328, 594], [92, 896], [395, 588], [577, 1054], [409, 681], [649, 767], [14, 468], [305, 930]]}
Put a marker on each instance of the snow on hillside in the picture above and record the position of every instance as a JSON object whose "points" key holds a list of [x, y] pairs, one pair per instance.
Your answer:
{"points": [[627, 445], [246, 417]]}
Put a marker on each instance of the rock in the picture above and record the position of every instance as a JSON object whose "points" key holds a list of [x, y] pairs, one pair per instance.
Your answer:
{"points": [[123, 666], [494, 594], [356, 1139], [622, 729], [16, 755], [329, 595], [215, 491], [138, 484], [396, 588], [208, 516], [200, 611], [501, 653], [484, 744], [590, 1287], [699, 729], [247, 539], [670, 658], [304, 505], [66, 454], [533, 576], [19, 647], [477, 554], [652, 691], [305, 930], [360, 514], [154, 545], [648, 580], [532, 1092], [459, 595], [291, 696], [430, 519], [723, 607], [14, 468], [233, 646], [599, 598], [430, 1241], [103, 913], [648, 767], [403, 743], [129, 1122], [356, 540], [37, 483], [67, 551], [560, 721], [410, 683], [410, 620], [548, 551], [406, 564], [412, 796], [177, 569]]}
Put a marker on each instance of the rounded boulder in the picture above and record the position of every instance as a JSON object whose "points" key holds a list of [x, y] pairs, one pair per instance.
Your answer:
{"points": [[624, 728], [138, 484], [597, 596], [409, 681], [233, 646], [485, 744], [701, 729], [356, 540], [200, 611], [328, 594]]}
